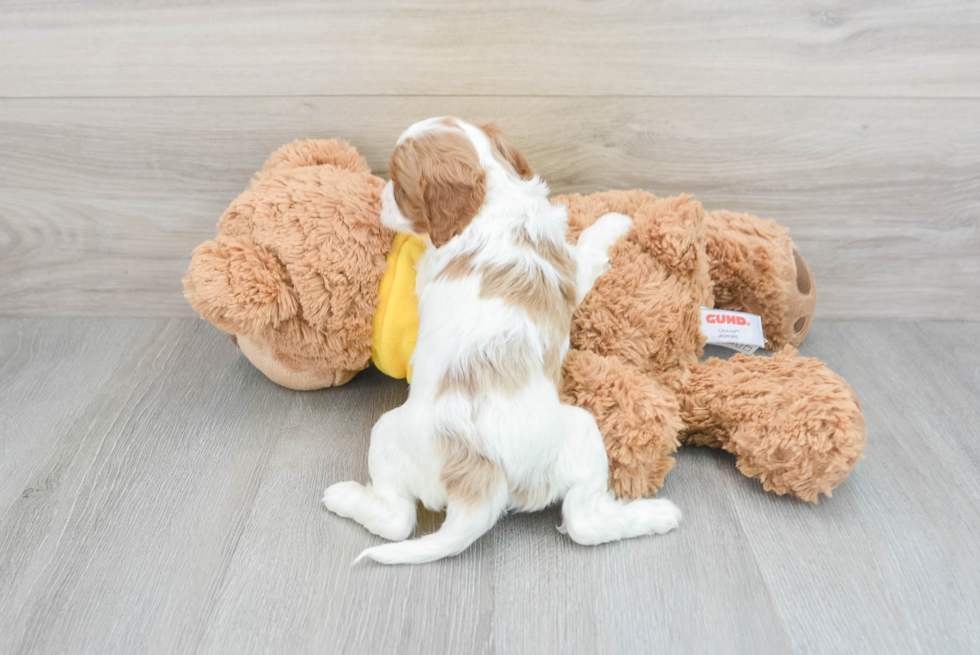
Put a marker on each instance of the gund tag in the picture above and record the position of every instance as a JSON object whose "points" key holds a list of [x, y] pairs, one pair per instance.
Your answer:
{"points": [[736, 330]]}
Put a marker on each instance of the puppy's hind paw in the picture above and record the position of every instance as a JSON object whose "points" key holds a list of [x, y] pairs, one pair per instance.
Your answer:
{"points": [[659, 516], [340, 498]]}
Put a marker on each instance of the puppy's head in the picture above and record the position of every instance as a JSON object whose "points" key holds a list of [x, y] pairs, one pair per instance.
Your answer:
{"points": [[439, 178]]}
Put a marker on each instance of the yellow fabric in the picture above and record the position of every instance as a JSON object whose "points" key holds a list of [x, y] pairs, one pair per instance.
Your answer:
{"points": [[396, 323]]}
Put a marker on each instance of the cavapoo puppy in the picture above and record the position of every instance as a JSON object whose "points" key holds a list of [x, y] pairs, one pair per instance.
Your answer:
{"points": [[483, 430]]}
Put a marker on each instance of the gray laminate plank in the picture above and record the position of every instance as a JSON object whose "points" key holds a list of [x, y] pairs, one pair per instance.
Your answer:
{"points": [[179, 512], [290, 586], [102, 200], [545, 47], [890, 563], [140, 503], [659, 594], [524, 588], [48, 371]]}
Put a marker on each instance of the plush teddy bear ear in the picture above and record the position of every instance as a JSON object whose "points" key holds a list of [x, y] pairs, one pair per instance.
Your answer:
{"points": [[315, 152], [239, 286]]}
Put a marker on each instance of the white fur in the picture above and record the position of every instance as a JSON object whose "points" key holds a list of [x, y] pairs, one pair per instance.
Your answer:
{"points": [[592, 250], [541, 446], [393, 219]]}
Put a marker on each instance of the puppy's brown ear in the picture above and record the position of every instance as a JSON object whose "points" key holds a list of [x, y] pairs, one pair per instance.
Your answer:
{"points": [[438, 183], [506, 153]]}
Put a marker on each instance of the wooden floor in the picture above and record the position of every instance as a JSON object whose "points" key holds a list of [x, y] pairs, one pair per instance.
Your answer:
{"points": [[158, 494], [127, 128]]}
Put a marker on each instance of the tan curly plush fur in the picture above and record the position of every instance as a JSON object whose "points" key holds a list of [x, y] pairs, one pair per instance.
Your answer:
{"points": [[294, 273], [757, 269], [639, 419], [790, 421]]}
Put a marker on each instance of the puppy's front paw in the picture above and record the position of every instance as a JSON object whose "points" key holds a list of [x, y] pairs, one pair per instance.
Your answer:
{"points": [[592, 251], [595, 242], [612, 226], [340, 498]]}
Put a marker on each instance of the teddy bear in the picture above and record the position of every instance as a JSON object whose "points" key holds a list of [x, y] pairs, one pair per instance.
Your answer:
{"points": [[313, 289]]}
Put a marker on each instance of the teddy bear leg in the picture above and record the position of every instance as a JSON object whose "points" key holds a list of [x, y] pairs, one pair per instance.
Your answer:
{"points": [[298, 373], [757, 268], [639, 419], [591, 514], [790, 421]]}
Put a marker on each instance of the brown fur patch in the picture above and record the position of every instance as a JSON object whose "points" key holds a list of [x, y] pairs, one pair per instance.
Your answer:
{"points": [[468, 476], [438, 183], [504, 369], [506, 153], [546, 303], [457, 268], [557, 257], [549, 306]]}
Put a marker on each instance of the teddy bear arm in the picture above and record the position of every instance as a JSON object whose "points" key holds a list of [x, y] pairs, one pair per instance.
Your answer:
{"points": [[639, 419]]}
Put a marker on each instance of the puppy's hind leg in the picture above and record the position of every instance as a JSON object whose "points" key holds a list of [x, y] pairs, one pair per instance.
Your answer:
{"points": [[383, 512], [591, 513], [476, 490], [385, 507]]}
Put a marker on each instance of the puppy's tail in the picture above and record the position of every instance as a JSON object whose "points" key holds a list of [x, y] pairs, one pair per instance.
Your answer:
{"points": [[464, 524]]}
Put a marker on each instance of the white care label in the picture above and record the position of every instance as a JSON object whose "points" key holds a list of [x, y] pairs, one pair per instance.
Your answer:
{"points": [[736, 330]]}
